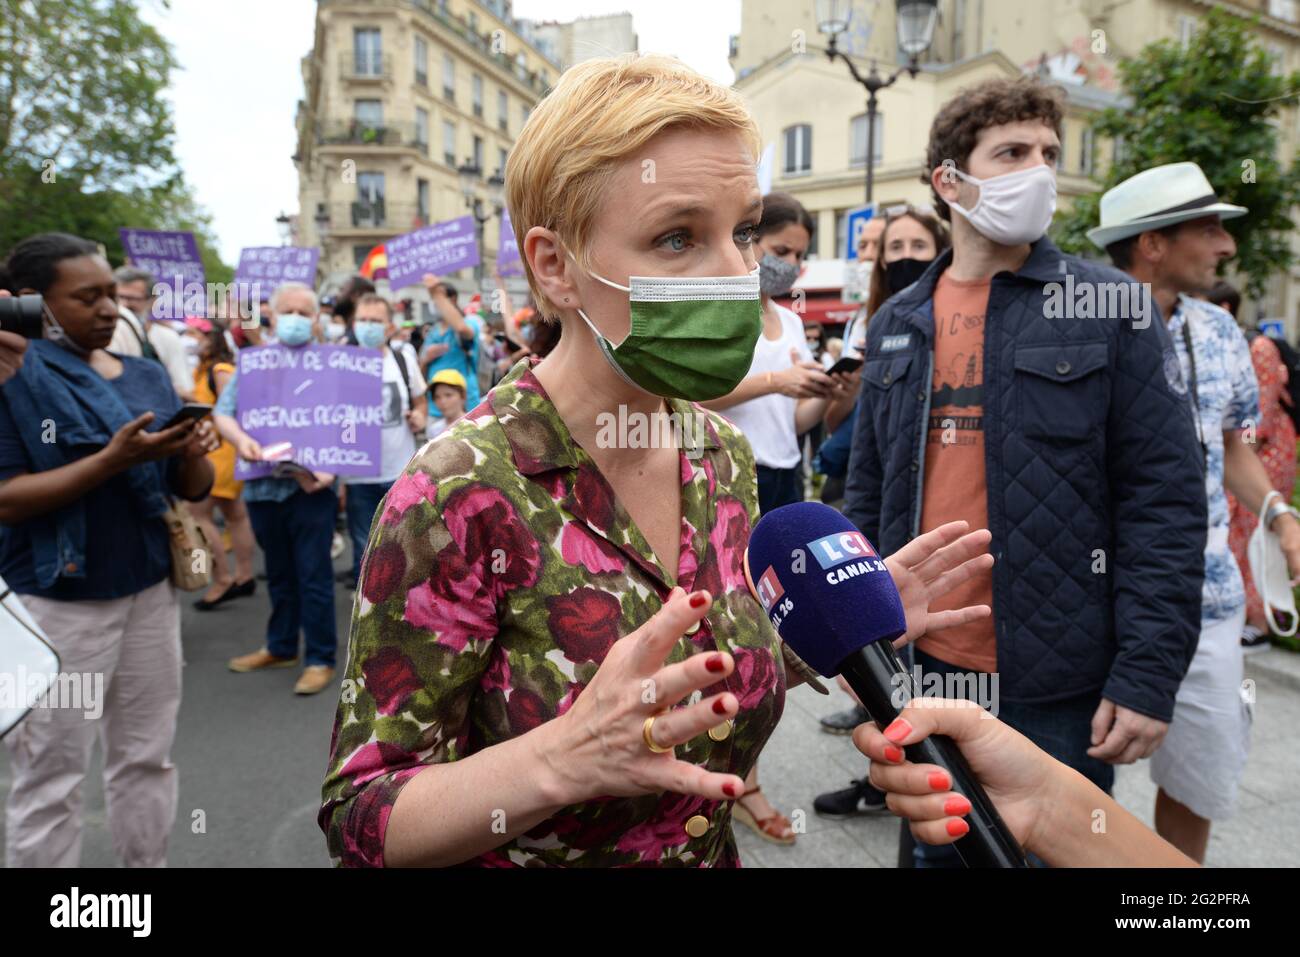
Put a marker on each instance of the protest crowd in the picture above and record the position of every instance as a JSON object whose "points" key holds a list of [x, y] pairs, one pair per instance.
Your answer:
{"points": [[434, 448]]}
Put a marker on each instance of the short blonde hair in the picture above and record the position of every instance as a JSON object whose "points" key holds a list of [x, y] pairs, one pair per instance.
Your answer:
{"points": [[601, 112]]}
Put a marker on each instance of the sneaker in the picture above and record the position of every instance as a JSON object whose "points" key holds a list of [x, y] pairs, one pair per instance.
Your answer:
{"points": [[858, 798], [337, 544], [259, 660], [843, 722], [1253, 640], [314, 678]]}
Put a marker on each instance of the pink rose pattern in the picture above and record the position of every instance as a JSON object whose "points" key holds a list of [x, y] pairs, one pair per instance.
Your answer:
{"points": [[497, 579]]}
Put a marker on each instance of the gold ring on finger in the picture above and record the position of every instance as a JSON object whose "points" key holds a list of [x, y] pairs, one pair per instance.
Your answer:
{"points": [[647, 735]]}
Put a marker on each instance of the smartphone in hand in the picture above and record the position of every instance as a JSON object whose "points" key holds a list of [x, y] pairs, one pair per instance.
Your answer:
{"points": [[191, 410]]}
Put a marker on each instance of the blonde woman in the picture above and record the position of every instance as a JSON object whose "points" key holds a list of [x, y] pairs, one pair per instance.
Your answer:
{"points": [[554, 659]]}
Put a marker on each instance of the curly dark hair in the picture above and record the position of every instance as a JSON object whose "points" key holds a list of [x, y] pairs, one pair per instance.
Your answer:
{"points": [[993, 103]]}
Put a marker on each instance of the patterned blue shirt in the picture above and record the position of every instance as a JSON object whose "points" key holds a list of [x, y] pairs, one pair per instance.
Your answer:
{"points": [[1228, 400]]}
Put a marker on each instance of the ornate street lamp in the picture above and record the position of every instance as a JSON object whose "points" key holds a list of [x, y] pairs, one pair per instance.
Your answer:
{"points": [[916, 21]]}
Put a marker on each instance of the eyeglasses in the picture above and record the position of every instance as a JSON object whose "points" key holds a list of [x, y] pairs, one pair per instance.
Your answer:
{"points": [[904, 209]]}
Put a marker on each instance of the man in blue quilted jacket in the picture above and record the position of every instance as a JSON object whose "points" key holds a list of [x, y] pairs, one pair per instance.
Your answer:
{"points": [[1039, 395]]}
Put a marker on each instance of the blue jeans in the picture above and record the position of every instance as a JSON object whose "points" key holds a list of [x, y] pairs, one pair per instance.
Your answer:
{"points": [[363, 500], [295, 537], [1061, 728]]}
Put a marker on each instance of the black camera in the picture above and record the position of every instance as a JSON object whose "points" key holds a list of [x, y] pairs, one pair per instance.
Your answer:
{"points": [[23, 315]]}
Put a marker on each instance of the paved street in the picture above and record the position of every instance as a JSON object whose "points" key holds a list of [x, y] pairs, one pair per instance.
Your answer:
{"points": [[251, 757]]}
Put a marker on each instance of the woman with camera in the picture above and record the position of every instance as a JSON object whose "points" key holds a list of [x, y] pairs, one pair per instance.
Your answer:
{"points": [[88, 466]]}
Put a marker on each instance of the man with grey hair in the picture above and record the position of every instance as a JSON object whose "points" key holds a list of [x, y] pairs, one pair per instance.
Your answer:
{"points": [[137, 334], [293, 520]]}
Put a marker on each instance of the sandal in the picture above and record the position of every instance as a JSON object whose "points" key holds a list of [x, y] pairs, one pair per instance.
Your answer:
{"points": [[772, 828]]}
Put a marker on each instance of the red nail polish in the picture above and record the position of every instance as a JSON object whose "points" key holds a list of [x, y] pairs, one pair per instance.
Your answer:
{"points": [[715, 663], [699, 600], [956, 805], [893, 754], [956, 827], [938, 781], [729, 789], [720, 706], [898, 730]]}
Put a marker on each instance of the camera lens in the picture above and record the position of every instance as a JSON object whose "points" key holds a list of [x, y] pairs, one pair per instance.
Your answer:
{"points": [[22, 314]]}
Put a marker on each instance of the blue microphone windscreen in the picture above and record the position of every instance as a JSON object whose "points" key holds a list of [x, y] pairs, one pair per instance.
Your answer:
{"points": [[822, 584]]}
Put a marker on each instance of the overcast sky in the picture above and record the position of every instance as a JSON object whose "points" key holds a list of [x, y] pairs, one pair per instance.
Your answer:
{"points": [[234, 97]]}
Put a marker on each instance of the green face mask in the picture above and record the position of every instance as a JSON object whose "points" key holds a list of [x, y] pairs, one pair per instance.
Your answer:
{"points": [[692, 337]]}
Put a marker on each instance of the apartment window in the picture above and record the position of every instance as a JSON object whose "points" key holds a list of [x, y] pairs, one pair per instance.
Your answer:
{"points": [[478, 152], [478, 95], [503, 111], [503, 156], [798, 149], [422, 200], [449, 142], [422, 129], [369, 114], [858, 140], [1186, 27], [1278, 53], [473, 21], [523, 113], [359, 254], [449, 77], [840, 216], [1287, 10], [369, 208], [421, 53], [1063, 151], [367, 52], [1085, 151]]}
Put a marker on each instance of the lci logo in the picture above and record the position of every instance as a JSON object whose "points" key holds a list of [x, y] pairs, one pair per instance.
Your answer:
{"points": [[840, 548], [769, 589]]}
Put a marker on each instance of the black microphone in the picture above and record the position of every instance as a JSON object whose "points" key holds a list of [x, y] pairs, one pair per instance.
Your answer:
{"points": [[831, 598]]}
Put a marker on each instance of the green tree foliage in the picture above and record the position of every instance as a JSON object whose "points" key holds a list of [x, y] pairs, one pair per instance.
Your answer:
{"points": [[1212, 104], [86, 137]]}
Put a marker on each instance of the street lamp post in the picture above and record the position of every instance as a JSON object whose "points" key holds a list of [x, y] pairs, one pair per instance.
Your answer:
{"points": [[283, 223], [916, 20], [470, 175]]}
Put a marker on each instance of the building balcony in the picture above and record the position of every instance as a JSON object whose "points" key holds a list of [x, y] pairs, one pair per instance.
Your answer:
{"points": [[359, 133], [373, 218], [372, 68]]}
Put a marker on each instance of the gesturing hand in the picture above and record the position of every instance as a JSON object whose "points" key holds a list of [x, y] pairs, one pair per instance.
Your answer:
{"points": [[930, 566], [601, 749]]}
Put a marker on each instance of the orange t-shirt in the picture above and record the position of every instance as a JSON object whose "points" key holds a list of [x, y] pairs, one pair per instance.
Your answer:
{"points": [[955, 483]]}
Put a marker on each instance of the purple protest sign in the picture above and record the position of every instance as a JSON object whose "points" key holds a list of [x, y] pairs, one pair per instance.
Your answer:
{"points": [[269, 266], [438, 249], [326, 400], [508, 261], [173, 259]]}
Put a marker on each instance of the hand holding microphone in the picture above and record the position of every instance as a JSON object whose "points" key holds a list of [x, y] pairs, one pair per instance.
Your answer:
{"points": [[1019, 778], [834, 602]]}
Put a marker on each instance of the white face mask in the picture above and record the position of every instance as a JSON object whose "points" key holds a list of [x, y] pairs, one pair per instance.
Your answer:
{"points": [[1014, 208], [1269, 571]]}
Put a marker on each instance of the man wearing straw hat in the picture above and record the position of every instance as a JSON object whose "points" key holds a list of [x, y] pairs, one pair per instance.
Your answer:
{"points": [[1164, 227]]}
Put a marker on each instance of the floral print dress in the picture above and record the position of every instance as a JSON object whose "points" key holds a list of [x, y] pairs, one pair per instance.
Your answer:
{"points": [[500, 570], [1276, 449]]}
